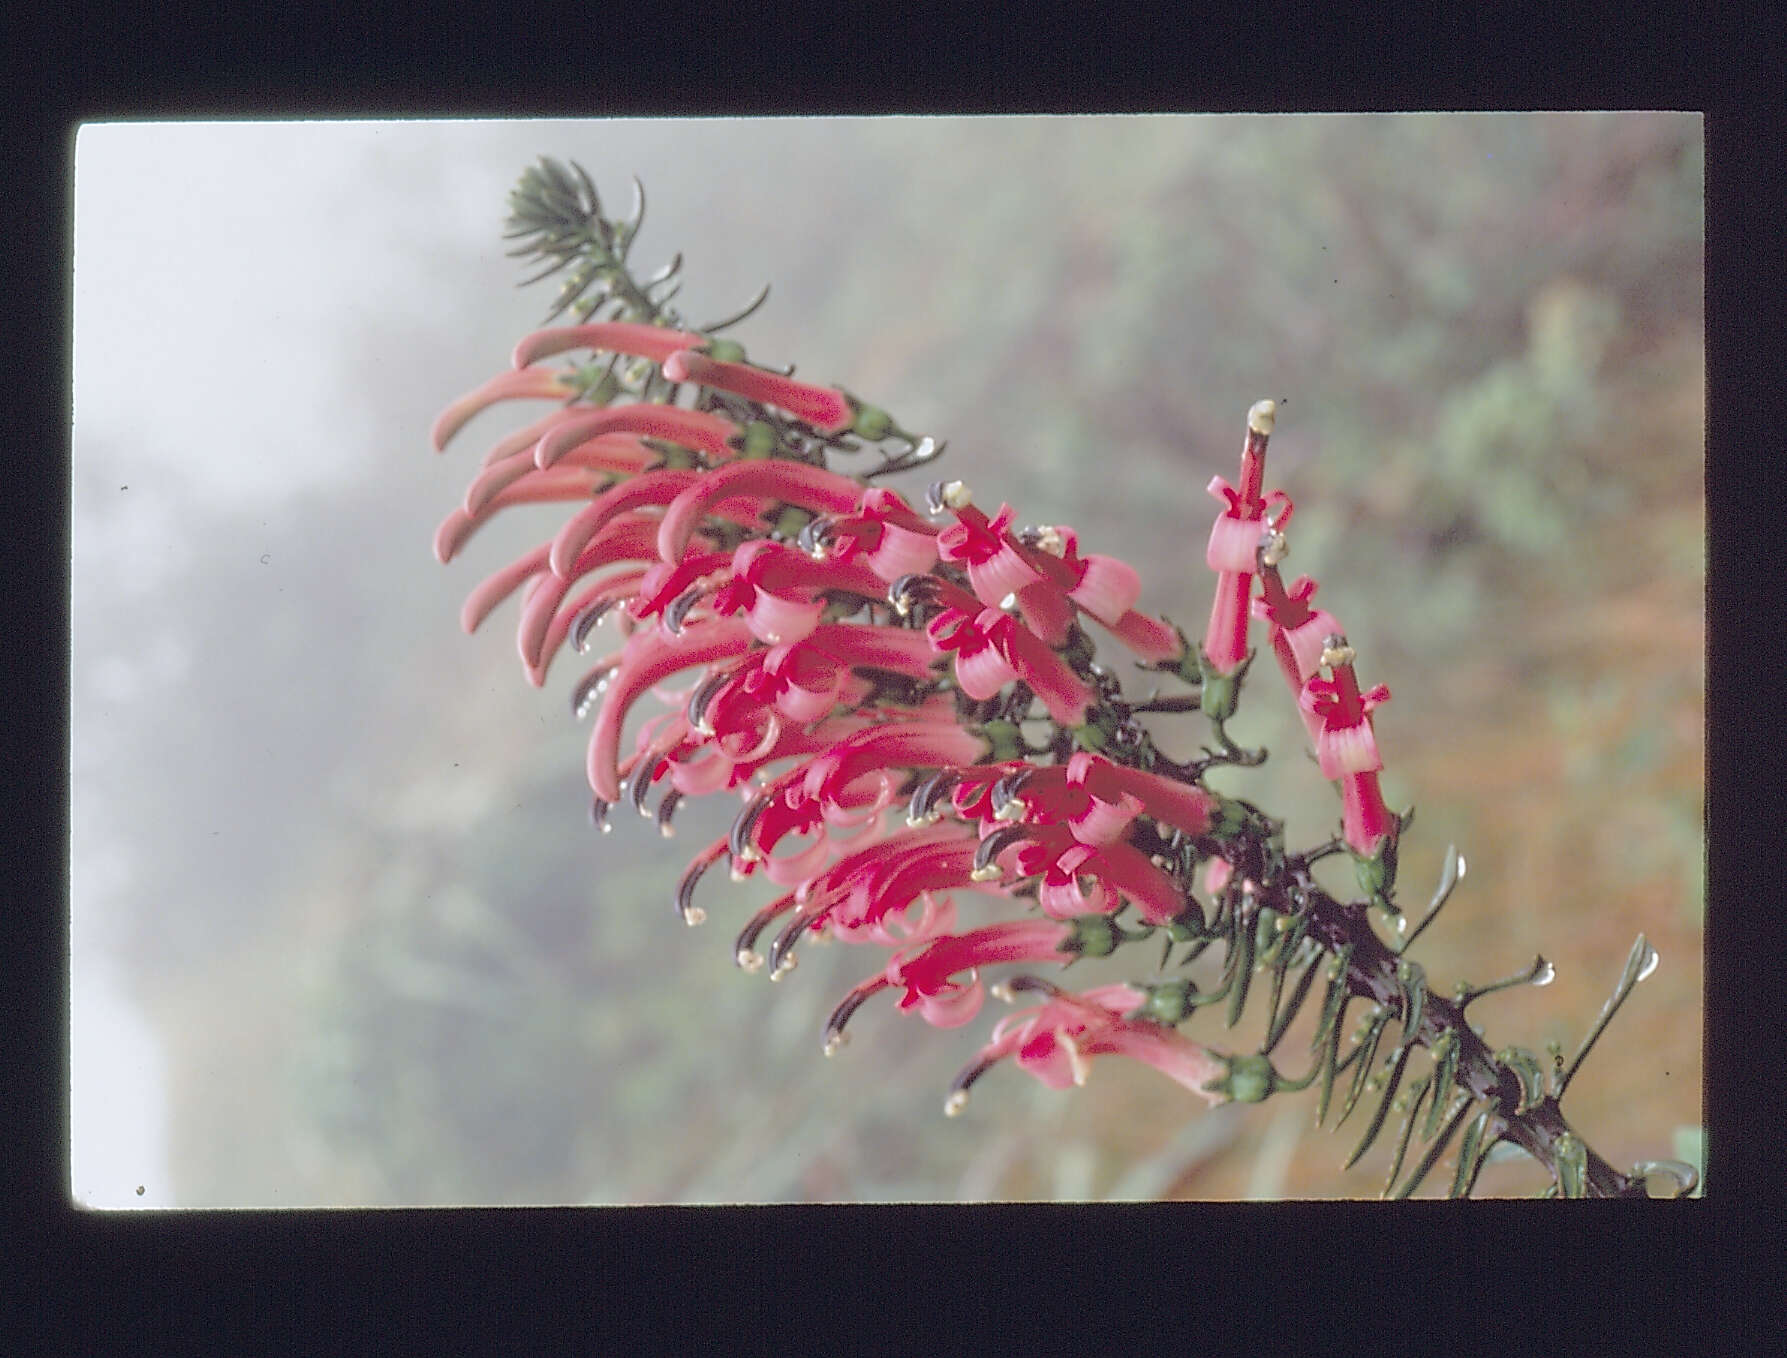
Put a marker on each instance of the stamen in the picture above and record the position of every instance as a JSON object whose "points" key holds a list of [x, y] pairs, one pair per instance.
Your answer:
{"points": [[591, 687], [679, 607], [923, 810], [586, 623], [985, 869], [738, 838], [1335, 651], [685, 890], [666, 808], [704, 693]]}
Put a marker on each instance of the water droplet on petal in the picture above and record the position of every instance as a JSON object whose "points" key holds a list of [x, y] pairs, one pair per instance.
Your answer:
{"points": [[1402, 924]]}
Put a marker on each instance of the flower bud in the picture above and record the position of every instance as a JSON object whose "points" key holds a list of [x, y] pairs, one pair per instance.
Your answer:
{"points": [[872, 423], [1250, 1079], [1169, 1002]]}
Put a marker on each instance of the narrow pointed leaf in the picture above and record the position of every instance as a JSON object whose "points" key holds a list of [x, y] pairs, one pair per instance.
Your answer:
{"points": [[1431, 1157], [1376, 1125], [1419, 1089]]}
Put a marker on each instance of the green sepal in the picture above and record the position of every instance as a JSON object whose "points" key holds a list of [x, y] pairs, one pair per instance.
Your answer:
{"points": [[725, 351], [1220, 693], [871, 422], [1377, 874], [1090, 738], [1006, 741], [1169, 1002], [1098, 936], [1249, 1079], [758, 441]]}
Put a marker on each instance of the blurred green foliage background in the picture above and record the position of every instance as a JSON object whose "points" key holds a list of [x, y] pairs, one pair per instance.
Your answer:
{"points": [[1485, 336]]}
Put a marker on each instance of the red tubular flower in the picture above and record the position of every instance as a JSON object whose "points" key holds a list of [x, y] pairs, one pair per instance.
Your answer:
{"points": [[927, 973], [503, 387], [648, 488], [613, 589], [615, 337], [781, 589], [1234, 538], [649, 658], [695, 429], [992, 648], [852, 780], [882, 531], [826, 410], [1055, 1040], [1050, 579], [560, 485], [1298, 634], [619, 454], [871, 888], [626, 537], [996, 564], [1086, 879], [796, 483], [1347, 746], [1096, 799]]}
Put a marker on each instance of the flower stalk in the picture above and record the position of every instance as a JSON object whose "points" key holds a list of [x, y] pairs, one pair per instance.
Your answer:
{"points": [[869, 681]]}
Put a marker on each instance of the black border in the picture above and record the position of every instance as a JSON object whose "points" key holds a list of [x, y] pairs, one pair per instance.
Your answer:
{"points": [[889, 1278]]}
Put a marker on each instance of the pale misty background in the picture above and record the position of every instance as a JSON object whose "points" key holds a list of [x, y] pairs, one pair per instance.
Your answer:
{"points": [[342, 934]]}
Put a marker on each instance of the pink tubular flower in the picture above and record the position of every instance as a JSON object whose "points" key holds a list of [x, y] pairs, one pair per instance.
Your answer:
{"points": [[992, 648], [995, 562], [503, 387], [866, 895], [1096, 799], [882, 531], [1234, 539], [796, 483], [619, 454], [615, 337], [649, 658], [853, 776], [1049, 579], [781, 589], [927, 973], [1086, 879], [704, 433], [1346, 746], [826, 410], [1055, 1040], [562, 484], [1298, 634]]}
